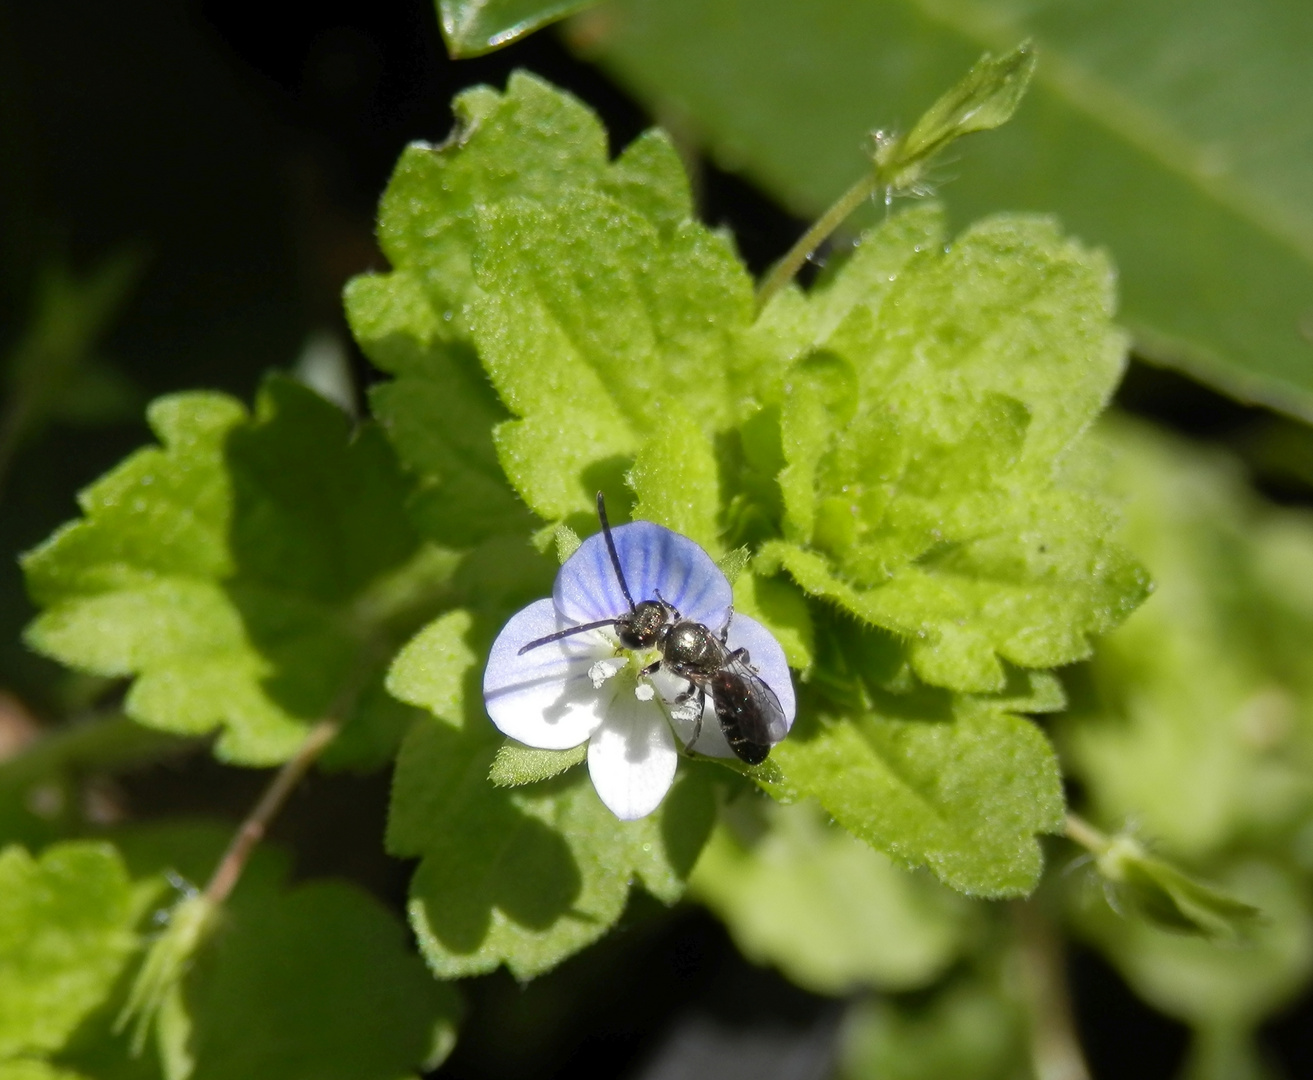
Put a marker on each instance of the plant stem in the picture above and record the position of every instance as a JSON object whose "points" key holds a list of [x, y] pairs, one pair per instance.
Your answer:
{"points": [[1079, 831], [1055, 1050], [252, 830], [782, 272]]}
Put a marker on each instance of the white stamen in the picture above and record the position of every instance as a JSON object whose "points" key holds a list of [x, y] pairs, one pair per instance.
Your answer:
{"points": [[644, 692], [605, 669]]}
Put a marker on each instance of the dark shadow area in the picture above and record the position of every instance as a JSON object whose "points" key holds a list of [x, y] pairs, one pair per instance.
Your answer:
{"points": [[591, 1016], [1121, 1036], [1286, 1037]]}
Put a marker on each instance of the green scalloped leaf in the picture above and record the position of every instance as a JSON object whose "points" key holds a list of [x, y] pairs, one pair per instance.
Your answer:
{"points": [[932, 780], [935, 483], [251, 573], [598, 307], [68, 929], [525, 876]]}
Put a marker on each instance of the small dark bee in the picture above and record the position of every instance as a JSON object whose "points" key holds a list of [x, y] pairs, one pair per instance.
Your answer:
{"points": [[749, 712]]}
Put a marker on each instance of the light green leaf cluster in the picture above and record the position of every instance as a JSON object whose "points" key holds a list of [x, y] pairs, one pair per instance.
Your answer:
{"points": [[260, 993], [248, 572], [525, 876], [932, 428], [892, 466], [68, 929], [904, 445], [1195, 719], [824, 908], [934, 781]]}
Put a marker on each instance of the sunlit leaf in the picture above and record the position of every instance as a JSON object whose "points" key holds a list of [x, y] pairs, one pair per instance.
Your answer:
{"points": [[250, 572], [933, 782]]}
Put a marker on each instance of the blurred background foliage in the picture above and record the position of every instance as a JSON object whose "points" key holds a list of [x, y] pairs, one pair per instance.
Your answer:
{"points": [[185, 189]]}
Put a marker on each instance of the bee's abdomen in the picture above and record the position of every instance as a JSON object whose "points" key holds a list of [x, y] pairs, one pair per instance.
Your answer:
{"points": [[740, 718]]}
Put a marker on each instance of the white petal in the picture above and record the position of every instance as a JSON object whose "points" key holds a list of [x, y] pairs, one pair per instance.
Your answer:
{"points": [[545, 698], [632, 757], [654, 560]]}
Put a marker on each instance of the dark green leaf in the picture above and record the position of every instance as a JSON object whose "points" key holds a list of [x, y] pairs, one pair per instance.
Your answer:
{"points": [[312, 981], [1174, 133], [318, 982], [474, 27]]}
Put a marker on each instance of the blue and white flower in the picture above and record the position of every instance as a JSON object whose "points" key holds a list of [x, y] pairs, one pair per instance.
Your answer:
{"points": [[589, 688]]}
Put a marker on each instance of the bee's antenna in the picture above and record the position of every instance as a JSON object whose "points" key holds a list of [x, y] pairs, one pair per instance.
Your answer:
{"points": [[610, 546], [568, 632]]}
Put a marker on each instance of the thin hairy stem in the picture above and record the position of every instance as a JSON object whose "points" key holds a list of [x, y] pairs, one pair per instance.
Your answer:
{"points": [[1079, 831], [784, 270], [253, 829]]}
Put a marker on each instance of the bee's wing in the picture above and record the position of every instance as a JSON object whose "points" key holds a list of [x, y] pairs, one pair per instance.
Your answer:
{"points": [[756, 710]]}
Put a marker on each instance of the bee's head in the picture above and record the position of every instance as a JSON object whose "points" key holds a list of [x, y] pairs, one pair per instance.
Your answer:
{"points": [[641, 628]]}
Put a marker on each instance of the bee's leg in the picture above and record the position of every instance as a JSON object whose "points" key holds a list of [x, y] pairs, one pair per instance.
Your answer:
{"points": [[724, 630], [697, 720], [668, 606], [740, 654], [651, 668]]}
